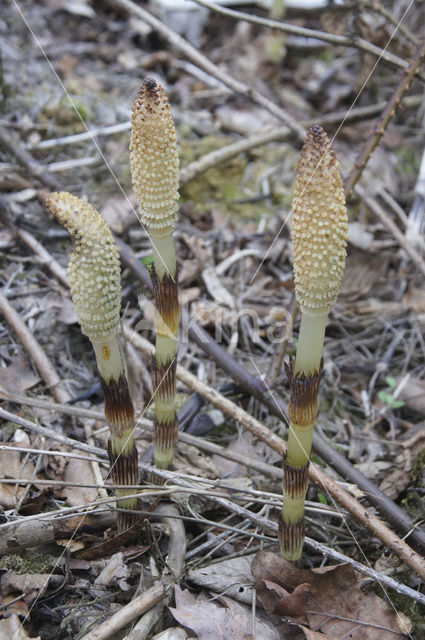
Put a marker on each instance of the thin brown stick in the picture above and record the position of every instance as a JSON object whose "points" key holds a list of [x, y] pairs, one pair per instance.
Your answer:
{"points": [[385, 118], [266, 524], [376, 7], [175, 478], [172, 572], [278, 134], [26, 533], [37, 170], [45, 258], [376, 208], [35, 350], [204, 63], [128, 613], [357, 43]]}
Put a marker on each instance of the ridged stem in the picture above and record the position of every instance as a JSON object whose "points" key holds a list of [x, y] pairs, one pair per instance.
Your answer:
{"points": [[119, 413], [167, 319], [304, 376]]}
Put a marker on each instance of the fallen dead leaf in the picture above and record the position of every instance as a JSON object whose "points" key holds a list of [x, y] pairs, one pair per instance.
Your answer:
{"points": [[213, 621], [242, 444], [413, 394], [114, 572], [32, 585], [230, 577], [18, 376], [118, 212], [335, 606], [362, 273], [78, 471], [399, 479], [12, 628], [14, 465]]}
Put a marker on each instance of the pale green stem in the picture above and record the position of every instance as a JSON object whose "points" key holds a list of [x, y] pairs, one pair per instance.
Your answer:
{"points": [[108, 358], [164, 253], [310, 342]]}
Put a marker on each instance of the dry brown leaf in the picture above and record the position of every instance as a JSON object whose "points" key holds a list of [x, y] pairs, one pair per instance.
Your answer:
{"points": [[18, 376], [413, 394], [212, 621], [414, 299], [399, 479], [275, 599], [118, 212], [14, 465], [335, 605], [32, 585], [243, 445], [114, 572], [230, 577], [12, 628], [362, 272], [10, 605], [79, 471]]}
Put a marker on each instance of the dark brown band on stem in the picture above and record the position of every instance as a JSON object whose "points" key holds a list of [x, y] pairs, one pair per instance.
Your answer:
{"points": [[303, 399], [291, 537], [124, 467], [125, 471], [119, 410], [164, 380], [295, 481], [167, 300], [165, 435]]}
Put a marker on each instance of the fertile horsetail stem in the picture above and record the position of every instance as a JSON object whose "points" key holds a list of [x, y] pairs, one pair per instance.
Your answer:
{"points": [[319, 233], [155, 174], [94, 277]]}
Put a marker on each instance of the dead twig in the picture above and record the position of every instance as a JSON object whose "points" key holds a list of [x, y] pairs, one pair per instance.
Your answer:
{"points": [[37, 170], [45, 258], [376, 208], [202, 61], [369, 520], [376, 7], [172, 572], [357, 43], [31, 532], [383, 121], [279, 134], [129, 612]]}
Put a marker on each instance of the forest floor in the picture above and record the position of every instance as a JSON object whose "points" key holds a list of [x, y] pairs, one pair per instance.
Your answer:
{"points": [[204, 563]]}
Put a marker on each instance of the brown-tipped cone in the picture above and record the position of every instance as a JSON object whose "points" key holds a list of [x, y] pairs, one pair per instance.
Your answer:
{"points": [[153, 158]]}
